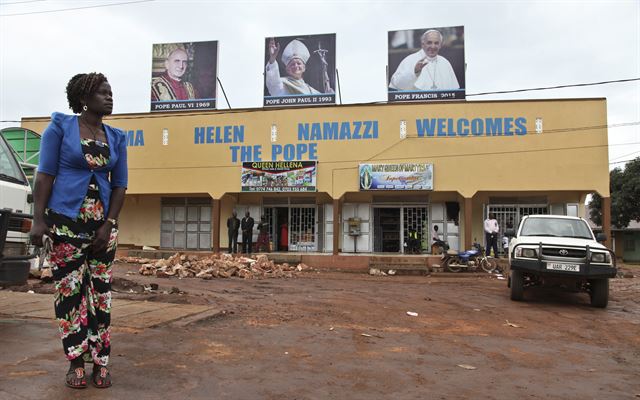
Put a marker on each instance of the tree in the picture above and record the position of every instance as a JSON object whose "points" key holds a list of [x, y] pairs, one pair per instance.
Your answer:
{"points": [[624, 186]]}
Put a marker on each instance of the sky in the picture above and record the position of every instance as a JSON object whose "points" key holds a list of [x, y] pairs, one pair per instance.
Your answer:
{"points": [[509, 45]]}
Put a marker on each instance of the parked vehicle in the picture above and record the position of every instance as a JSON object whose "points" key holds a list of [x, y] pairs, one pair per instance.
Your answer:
{"points": [[14, 269], [15, 222], [455, 261], [560, 251]]}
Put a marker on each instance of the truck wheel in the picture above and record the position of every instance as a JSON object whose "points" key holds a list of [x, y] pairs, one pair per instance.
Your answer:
{"points": [[599, 293], [517, 285]]}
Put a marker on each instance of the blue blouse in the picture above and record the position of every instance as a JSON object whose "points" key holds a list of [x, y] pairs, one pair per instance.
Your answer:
{"points": [[61, 156]]}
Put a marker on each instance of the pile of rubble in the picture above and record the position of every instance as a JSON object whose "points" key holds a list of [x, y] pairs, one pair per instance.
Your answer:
{"points": [[215, 266]]}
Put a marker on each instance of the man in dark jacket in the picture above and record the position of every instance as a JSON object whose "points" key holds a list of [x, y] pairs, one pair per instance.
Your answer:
{"points": [[233, 225], [247, 232]]}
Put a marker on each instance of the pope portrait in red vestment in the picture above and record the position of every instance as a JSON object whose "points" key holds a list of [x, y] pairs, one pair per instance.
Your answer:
{"points": [[170, 85]]}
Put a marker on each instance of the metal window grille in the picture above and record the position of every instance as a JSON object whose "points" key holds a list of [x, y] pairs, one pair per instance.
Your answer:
{"points": [[321, 228], [513, 213], [302, 228], [269, 215], [416, 220]]}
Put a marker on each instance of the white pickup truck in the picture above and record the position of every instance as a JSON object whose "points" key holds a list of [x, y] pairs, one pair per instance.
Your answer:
{"points": [[15, 218], [561, 251]]}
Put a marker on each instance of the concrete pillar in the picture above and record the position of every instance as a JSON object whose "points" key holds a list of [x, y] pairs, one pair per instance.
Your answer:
{"points": [[337, 231], [606, 221], [215, 225], [468, 223]]}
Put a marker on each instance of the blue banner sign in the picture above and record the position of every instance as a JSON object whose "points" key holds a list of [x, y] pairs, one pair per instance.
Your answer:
{"points": [[407, 176]]}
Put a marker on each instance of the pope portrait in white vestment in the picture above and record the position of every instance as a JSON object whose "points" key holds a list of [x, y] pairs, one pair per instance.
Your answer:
{"points": [[425, 69], [294, 57]]}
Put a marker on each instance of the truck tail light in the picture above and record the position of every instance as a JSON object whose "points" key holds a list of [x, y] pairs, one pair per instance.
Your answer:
{"points": [[25, 227]]}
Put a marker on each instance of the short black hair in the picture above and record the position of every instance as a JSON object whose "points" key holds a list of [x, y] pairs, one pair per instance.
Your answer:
{"points": [[82, 86]]}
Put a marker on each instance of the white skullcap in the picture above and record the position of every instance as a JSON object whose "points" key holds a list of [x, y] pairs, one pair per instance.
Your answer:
{"points": [[295, 49], [173, 47]]}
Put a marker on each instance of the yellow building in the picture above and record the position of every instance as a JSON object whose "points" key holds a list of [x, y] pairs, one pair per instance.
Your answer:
{"points": [[469, 158]]}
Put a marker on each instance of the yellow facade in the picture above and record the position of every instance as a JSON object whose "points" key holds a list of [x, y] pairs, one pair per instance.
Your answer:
{"points": [[555, 150]]}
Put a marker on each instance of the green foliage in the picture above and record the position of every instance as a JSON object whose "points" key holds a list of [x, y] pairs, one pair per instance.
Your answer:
{"points": [[595, 209], [624, 186]]}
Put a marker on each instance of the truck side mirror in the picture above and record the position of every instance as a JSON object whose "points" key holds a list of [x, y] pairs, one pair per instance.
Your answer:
{"points": [[601, 237], [510, 232]]}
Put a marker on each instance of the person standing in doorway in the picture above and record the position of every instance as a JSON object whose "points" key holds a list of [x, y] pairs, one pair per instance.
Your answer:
{"points": [[247, 232], [284, 237], [263, 236], [437, 245], [505, 246], [233, 225], [491, 230]]}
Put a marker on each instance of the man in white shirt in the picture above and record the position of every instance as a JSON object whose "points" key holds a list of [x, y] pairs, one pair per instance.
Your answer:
{"points": [[425, 69], [491, 229], [437, 245]]}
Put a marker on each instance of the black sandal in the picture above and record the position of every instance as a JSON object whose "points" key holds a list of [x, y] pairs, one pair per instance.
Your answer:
{"points": [[101, 377], [76, 374]]}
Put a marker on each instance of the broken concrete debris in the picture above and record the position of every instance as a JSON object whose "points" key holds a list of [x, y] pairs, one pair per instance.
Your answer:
{"points": [[376, 272], [215, 266]]}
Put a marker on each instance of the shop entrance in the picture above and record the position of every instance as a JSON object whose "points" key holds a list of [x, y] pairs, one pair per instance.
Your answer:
{"points": [[386, 229], [278, 219], [292, 228], [302, 229], [393, 226]]}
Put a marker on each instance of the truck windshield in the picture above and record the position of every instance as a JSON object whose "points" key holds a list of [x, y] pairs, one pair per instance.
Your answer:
{"points": [[10, 170], [561, 227]]}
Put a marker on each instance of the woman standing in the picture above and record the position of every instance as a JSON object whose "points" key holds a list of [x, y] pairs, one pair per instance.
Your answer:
{"points": [[79, 191]]}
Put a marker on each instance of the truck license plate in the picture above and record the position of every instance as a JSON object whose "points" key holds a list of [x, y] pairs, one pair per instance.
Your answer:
{"points": [[563, 267]]}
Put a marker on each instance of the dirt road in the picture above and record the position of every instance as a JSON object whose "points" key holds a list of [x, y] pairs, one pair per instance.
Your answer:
{"points": [[348, 336]]}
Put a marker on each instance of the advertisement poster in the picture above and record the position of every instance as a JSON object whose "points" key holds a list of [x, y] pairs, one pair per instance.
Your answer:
{"points": [[279, 176], [396, 176], [426, 64], [300, 70], [183, 76]]}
